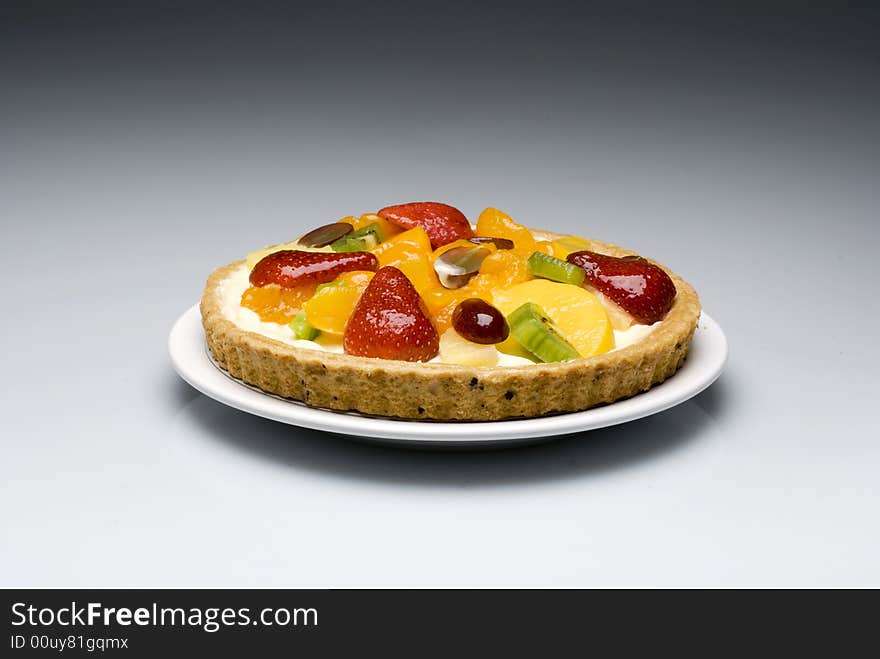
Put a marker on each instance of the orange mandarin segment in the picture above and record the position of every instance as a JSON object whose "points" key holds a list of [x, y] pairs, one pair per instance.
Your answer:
{"points": [[509, 267], [386, 228], [441, 314], [437, 298], [410, 252], [410, 245], [274, 304], [441, 302], [483, 284], [443, 318], [494, 223]]}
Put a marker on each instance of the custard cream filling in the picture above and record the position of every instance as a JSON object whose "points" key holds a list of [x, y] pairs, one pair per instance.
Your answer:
{"points": [[233, 287]]}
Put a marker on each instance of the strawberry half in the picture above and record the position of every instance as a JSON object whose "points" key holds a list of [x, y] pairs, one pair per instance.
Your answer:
{"points": [[641, 288], [291, 267], [390, 321], [443, 223]]}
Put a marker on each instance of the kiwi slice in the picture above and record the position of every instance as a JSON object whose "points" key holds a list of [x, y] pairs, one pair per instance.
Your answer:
{"points": [[302, 329], [362, 240], [549, 267], [532, 329]]}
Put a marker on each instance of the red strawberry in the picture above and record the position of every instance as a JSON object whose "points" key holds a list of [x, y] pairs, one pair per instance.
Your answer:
{"points": [[641, 288], [291, 267], [443, 223], [390, 321]]}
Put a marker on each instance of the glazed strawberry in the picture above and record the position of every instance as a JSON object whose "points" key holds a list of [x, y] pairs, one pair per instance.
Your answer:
{"points": [[291, 267], [390, 321], [641, 288], [443, 223]]}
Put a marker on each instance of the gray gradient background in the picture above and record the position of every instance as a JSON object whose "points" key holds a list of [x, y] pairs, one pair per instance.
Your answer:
{"points": [[141, 148]]}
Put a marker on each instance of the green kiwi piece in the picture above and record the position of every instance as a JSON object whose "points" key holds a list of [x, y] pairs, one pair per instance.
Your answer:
{"points": [[362, 240], [549, 267], [532, 329], [302, 329]]}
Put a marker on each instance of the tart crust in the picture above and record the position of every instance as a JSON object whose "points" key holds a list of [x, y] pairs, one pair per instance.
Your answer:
{"points": [[448, 392]]}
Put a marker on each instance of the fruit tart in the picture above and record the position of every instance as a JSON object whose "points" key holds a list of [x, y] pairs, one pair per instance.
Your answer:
{"points": [[414, 312]]}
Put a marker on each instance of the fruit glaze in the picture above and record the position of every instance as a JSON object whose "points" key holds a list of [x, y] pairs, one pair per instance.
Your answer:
{"points": [[417, 282]]}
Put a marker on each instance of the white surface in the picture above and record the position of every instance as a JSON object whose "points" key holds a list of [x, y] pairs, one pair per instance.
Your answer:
{"points": [[123, 187], [191, 360]]}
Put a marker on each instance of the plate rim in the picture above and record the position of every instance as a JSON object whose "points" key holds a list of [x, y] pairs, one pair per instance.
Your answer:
{"points": [[189, 357]]}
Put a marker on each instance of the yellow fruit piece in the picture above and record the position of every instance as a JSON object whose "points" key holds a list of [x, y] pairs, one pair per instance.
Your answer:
{"points": [[572, 244], [508, 267], [577, 313], [330, 308], [552, 249], [494, 223], [387, 229], [511, 346], [332, 342], [620, 319], [420, 273], [455, 349]]}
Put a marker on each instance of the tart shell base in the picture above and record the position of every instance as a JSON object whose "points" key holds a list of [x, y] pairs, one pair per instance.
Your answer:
{"points": [[448, 391]]}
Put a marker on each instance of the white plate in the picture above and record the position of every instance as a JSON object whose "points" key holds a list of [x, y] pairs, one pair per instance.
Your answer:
{"points": [[191, 360]]}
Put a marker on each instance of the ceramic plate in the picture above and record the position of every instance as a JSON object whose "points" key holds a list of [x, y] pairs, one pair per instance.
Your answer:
{"points": [[191, 360]]}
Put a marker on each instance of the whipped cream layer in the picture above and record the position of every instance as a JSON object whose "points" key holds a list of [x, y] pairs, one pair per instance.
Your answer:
{"points": [[233, 287]]}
